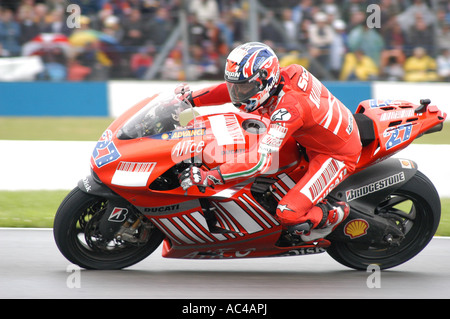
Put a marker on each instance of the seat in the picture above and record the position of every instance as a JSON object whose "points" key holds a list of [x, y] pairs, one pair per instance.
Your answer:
{"points": [[365, 127]]}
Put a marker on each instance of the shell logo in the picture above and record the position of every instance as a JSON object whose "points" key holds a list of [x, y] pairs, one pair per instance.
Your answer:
{"points": [[356, 228]]}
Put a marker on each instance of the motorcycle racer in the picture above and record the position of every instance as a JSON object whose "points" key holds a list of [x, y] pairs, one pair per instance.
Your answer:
{"points": [[298, 106]]}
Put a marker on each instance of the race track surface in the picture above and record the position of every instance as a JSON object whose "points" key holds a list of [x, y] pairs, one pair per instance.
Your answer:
{"points": [[32, 267]]}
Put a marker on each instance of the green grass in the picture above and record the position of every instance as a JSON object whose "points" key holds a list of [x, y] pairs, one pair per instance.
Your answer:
{"points": [[53, 128], [442, 137], [29, 208]]}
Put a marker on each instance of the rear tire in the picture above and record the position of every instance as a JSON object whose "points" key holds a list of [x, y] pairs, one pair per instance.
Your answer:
{"points": [[418, 223], [77, 236]]}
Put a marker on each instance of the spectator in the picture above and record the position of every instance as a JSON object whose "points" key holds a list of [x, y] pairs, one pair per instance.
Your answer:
{"points": [[112, 28], [331, 9], [9, 32], [391, 67], [159, 27], [196, 31], [28, 28], [96, 60], [368, 40], [200, 66], [76, 71], [204, 10], [134, 33], [407, 18], [142, 60], [420, 67], [320, 36], [173, 66], [394, 37], [56, 23], [443, 37], [302, 11], [235, 24], [338, 47], [351, 8], [421, 35], [54, 65], [358, 67], [443, 65], [268, 29], [289, 27], [294, 57], [40, 17]]}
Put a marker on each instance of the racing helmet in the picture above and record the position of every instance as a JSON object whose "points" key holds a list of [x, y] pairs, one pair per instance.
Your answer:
{"points": [[252, 73]]}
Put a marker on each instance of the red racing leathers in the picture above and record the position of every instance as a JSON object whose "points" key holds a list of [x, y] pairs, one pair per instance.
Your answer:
{"points": [[307, 111]]}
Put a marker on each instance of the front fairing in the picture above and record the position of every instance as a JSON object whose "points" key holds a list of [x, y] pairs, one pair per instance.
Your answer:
{"points": [[160, 132]]}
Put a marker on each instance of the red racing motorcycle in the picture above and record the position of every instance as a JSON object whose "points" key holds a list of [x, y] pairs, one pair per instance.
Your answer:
{"points": [[132, 200]]}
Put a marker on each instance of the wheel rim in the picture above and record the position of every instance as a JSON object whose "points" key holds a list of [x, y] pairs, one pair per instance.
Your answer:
{"points": [[86, 238], [411, 216]]}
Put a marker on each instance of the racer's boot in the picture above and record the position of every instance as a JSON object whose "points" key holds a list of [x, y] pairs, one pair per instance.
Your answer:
{"points": [[333, 215]]}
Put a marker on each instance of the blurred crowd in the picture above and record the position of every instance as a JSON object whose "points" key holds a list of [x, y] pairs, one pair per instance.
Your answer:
{"points": [[397, 40]]}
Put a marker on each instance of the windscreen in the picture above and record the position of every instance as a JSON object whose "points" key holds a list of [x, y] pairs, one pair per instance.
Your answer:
{"points": [[160, 115]]}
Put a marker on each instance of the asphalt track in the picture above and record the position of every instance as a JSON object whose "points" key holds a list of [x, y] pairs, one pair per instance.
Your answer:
{"points": [[31, 267]]}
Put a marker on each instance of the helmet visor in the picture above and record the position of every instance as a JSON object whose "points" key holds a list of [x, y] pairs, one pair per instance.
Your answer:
{"points": [[241, 92]]}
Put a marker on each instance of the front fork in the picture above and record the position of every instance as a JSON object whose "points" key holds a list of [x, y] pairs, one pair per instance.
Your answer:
{"points": [[120, 221]]}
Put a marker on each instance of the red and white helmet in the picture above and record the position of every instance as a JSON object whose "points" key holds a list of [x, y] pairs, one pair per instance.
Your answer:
{"points": [[252, 73]]}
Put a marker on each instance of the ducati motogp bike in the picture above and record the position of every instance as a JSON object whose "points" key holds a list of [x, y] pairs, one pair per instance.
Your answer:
{"points": [[132, 201]]}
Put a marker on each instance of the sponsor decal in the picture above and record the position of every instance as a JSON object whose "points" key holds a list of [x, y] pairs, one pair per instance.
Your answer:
{"points": [[132, 174], [173, 135], [272, 141], [281, 115], [220, 253], [375, 103], [86, 184], [226, 129], [162, 209], [406, 163], [105, 151], [349, 128], [398, 135], [282, 208], [234, 75], [356, 228], [394, 115], [353, 194], [187, 147], [304, 251], [118, 215], [303, 80], [325, 180], [169, 209]]}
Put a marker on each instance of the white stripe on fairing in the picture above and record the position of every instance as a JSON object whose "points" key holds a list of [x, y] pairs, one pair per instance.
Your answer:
{"points": [[249, 224]]}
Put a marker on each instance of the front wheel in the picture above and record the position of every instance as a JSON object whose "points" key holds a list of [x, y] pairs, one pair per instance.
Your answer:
{"points": [[415, 208], [77, 235]]}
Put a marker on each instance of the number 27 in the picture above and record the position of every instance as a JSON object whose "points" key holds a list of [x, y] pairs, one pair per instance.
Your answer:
{"points": [[395, 138]]}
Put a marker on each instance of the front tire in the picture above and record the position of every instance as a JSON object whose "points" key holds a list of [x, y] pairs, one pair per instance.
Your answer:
{"points": [[416, 209], [78, 238]]}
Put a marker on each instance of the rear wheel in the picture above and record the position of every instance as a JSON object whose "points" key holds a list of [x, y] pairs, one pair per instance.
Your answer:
{"points": [[77, 235], [415, 209]]}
